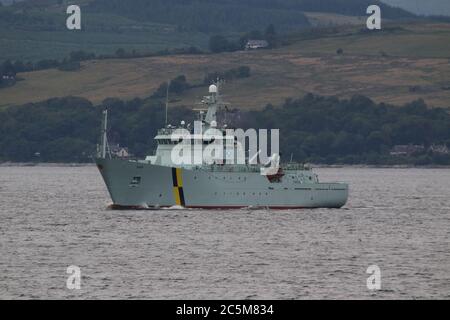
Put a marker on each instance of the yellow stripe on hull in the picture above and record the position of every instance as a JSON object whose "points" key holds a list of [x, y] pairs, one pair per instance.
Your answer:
{"points": [[176, 194], [179, 178]]}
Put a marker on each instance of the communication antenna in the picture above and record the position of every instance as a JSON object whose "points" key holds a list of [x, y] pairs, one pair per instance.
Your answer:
{"points": [[167, 100]]}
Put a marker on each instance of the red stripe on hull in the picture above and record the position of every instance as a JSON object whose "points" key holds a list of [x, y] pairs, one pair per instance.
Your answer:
{"points": [[121, 207], [243, 207]]}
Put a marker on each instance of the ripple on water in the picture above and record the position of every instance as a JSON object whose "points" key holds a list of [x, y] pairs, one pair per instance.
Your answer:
{"points": [[54, 217]]}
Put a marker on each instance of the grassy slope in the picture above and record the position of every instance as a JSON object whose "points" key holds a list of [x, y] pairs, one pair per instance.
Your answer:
{"points": [[323, 19], [40, 45], [418, 41], [418, 56], [101, 33]]}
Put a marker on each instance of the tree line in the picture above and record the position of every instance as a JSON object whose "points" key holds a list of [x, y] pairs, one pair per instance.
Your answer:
{"points": [[313, 129], [73, 62], [209, 17], [354, 131], [180, 84]]}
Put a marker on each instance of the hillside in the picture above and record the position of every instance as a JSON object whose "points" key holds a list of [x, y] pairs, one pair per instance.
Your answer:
{"points": [[36, 30], [32, 33], [237, 15], [401, 64]]}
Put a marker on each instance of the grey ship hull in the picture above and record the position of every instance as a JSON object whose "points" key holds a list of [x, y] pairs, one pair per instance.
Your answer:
{"points": [[133, 184]]}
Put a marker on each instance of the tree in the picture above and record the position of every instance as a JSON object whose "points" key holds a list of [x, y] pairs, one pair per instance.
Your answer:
{"points": [[255, 35], [177, 85], [80, 55], [271, 36], [244, 72], [8, 69], [19, 66], [218, 44], [121, 53]]}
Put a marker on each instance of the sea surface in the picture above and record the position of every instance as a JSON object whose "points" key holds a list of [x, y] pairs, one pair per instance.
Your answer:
{"points": [[53, 217]]}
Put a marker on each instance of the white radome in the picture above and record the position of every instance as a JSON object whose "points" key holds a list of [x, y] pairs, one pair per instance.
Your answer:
{"points": [[213, 88]]}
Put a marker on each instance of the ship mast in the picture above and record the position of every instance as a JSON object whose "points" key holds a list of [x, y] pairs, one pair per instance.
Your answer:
{"points": [[213, 102], [105, 146], [167, 100]]}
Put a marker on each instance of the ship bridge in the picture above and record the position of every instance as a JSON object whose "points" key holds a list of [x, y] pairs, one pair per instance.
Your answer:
{"points": [[169, 137]]}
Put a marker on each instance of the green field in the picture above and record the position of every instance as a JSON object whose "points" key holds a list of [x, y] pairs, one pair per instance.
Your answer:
{"points": [[40, 33], [34, 46], [100, 38]]}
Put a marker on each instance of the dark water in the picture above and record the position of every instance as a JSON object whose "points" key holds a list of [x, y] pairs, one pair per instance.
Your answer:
{"points": [[53, 217]]}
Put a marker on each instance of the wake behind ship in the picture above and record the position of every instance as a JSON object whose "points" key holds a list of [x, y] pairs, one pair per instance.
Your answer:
{"points": [[158, 182]]}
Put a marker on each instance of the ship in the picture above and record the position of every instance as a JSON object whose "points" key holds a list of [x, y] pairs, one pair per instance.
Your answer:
{"points": [[158, 181]]}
